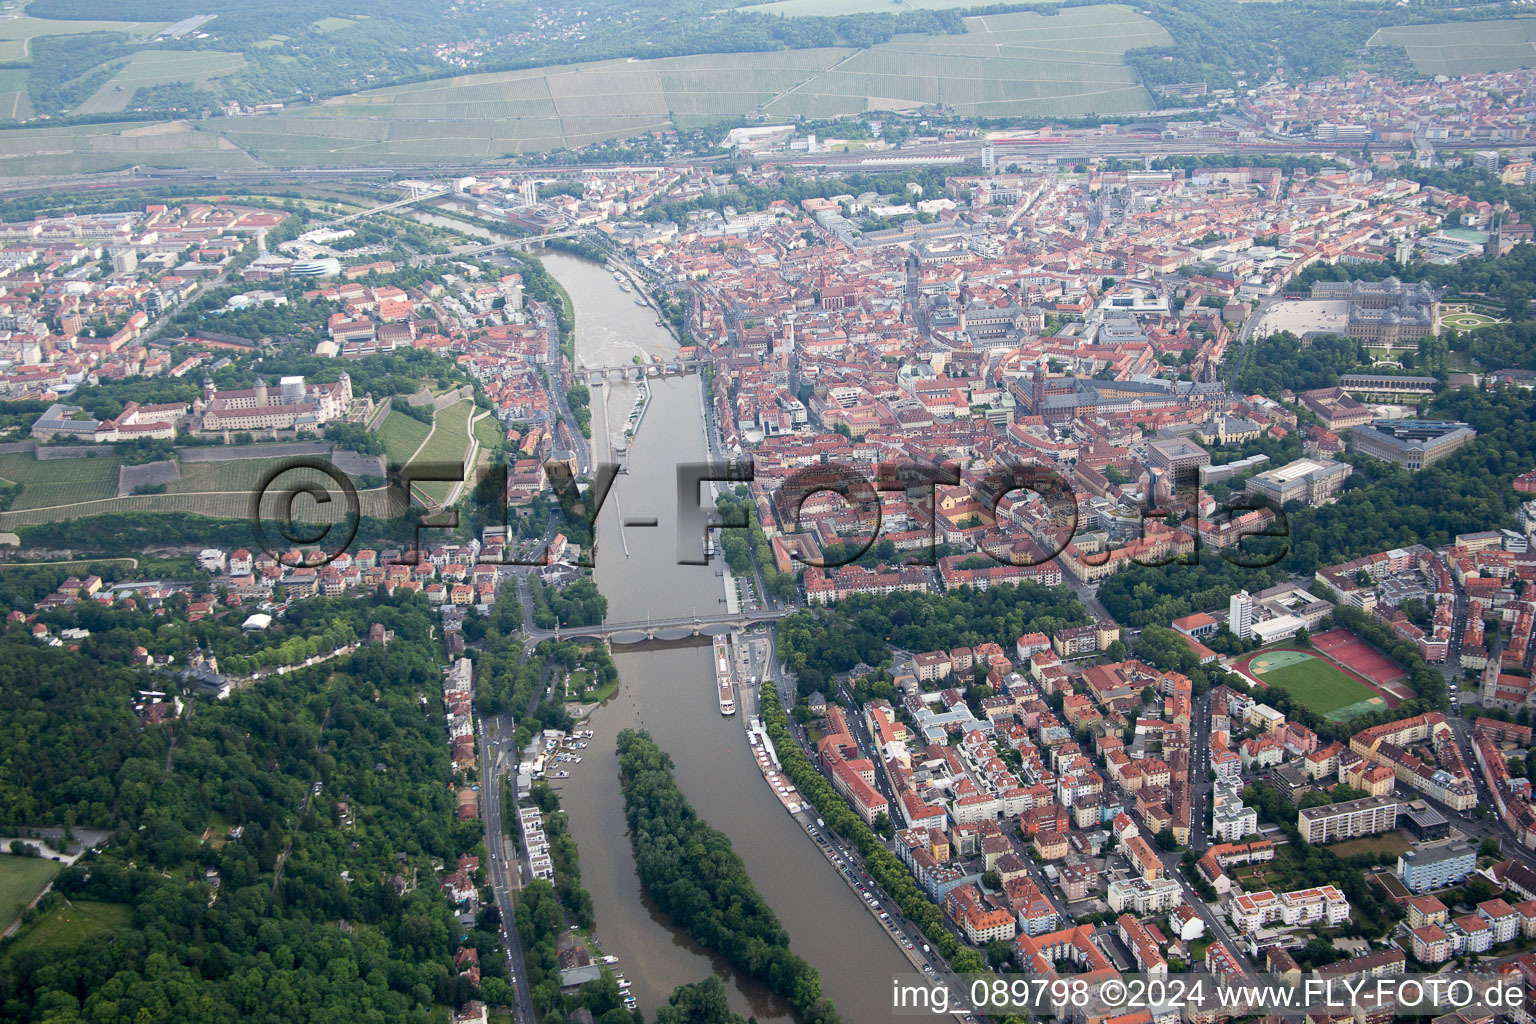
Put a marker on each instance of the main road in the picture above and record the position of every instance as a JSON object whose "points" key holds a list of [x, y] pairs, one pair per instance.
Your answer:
{"points": [[498, 761]]}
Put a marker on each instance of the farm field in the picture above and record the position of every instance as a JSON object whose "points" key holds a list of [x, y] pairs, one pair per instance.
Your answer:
{"points": [[71, 923], [1067, 64], [240, 475], [21, 879], [1312, 681], [16, 34], [59, 482], [334, 24], [14, 102], [401, 436], [158, 67], [834, 8], [1464, 47]]}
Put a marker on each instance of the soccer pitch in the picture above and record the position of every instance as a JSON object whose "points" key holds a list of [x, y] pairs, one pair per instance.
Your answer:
{"points": [[1316, 684]]}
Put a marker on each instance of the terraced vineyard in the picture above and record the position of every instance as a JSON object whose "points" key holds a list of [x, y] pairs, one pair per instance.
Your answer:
{"points": [[1465, 47], [223, 505], [1063, 64], [401, 435], [449, 444], [59, 481], [82, 149]]}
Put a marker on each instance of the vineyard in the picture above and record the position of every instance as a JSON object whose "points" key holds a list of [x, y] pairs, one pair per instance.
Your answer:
{"points": [[449, 444], [60, 481], [401, 436]]}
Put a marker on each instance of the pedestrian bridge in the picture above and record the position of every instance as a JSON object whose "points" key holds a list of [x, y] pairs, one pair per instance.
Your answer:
{"points": [[639, 371]]}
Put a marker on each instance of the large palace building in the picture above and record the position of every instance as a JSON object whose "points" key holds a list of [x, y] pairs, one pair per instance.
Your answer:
{"points": [[292, 405]]}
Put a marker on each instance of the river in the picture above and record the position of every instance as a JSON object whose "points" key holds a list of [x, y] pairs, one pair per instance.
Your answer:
{"points": [[669, 690]]}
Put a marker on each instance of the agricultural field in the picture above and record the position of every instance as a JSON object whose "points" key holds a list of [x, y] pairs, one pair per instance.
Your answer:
{"points": [[240, 476], [17, 33], [1464, 47], [71, 923], [835, 8], [1067, 64], [401, 436], [60, 481], [158, 67], [21, 879], [334, 24], [15, 104]]}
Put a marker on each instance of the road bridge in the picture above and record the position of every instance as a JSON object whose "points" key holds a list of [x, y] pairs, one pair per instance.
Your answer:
{"points": [[397, 204], [515, 243], [663, 629]]}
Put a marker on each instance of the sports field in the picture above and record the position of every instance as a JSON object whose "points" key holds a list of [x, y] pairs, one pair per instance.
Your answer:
{"points": [[1314, 683], [1464, 47]]}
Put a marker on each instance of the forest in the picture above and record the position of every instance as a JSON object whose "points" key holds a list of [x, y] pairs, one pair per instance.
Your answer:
{"points": [[253, 896], [689, 869]]}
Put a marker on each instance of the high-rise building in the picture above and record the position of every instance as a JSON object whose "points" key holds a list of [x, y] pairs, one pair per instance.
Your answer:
{"points": [[1332, 822], [1240, 614]]}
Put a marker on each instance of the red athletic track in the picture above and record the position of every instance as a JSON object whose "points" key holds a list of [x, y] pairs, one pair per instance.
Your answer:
{"points": [[1243, 665], [1342, 646]]}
